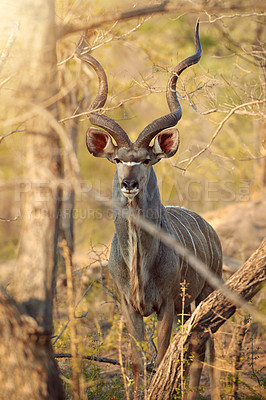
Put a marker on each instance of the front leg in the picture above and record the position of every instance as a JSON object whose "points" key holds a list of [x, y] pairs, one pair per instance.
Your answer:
{"points": [[134, 323], [164, 327]]}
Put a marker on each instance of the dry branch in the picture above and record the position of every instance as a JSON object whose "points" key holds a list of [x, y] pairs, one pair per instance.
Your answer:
{"points": [[71, 314], [207, 319], [164, 7], [10, 133], [11, 40], [220, 126], [89, 358]]}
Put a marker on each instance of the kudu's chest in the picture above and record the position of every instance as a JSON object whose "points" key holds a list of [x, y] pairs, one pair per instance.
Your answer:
{"points": [[142, 269]]}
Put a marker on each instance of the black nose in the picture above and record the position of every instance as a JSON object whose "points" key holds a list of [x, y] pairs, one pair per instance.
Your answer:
{"points": [[129, 184]]}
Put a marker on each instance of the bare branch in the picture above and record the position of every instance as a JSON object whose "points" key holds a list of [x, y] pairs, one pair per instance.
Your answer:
{"points": [[118, 16], [9, 219], [11, 133], [57, 337], [245, 15], [253, 158], [68, 145], [90, 358], [7, 80], [162, 8], [103, 110], [106, 360], [120, 37], [126, 385], [220, 126], [11, 40], [100, 42]]}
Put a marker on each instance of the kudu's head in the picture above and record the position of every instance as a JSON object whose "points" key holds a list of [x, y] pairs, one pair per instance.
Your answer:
{"points": [[134, 160]]}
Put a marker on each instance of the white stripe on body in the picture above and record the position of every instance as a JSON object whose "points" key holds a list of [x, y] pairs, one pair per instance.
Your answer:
{"points": [[210, 242], [187, 213], [193, 243], [183, 239]]}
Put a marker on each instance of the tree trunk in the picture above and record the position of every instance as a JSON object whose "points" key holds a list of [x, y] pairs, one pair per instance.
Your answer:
{"points": [[27, 367], [207, 318], [66, 228], [37, 253]]}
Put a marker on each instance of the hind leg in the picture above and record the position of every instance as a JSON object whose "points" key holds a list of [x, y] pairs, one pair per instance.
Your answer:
{"points": [[198, 355], [196, 366], [195, 369], [214, 373], [135, 327], [210, 352]]}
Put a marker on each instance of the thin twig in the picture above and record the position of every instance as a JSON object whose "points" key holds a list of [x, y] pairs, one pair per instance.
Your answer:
{"points": [[120, 37], [150, 336], [103, 110], [253, 14], [9, 219], [57, 337], [11, 40], [11, 133], [121, 358], [7, 80], [220, 126], [71, 315], [183, 294]]}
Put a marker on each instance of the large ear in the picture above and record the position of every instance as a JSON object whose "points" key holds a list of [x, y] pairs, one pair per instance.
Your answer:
{"points": [[166, 144], [99, 143]]}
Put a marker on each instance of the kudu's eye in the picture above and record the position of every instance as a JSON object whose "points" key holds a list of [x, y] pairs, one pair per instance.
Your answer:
{"points": [[117, 161], [147, 161]]}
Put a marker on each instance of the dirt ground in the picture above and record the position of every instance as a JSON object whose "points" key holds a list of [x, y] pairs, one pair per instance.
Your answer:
{"points": [[241, 227]]}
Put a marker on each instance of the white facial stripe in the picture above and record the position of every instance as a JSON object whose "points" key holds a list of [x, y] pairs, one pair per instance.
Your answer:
{"points": [[130, 163]]}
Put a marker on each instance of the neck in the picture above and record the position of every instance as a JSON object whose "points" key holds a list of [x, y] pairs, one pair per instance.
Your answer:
{"points": [[146, 204]]}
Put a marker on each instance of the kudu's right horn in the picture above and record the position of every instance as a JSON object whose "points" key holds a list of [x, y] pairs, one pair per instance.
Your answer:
{"points": [[170, 120]]}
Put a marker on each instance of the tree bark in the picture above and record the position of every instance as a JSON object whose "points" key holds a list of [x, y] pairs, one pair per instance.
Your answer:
{"points": [[37, 253], [207, 319], [27, 366], [28, 370], [66, 228]]}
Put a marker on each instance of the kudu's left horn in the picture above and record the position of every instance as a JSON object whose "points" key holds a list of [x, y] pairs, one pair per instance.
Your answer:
{"points": [[96, 118]]}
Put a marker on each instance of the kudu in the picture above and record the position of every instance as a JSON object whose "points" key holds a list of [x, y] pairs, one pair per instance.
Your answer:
{"points": [[146, 272]]}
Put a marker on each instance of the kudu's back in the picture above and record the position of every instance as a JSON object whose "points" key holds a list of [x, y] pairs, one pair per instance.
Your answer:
{"points": [[198, 237]]}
